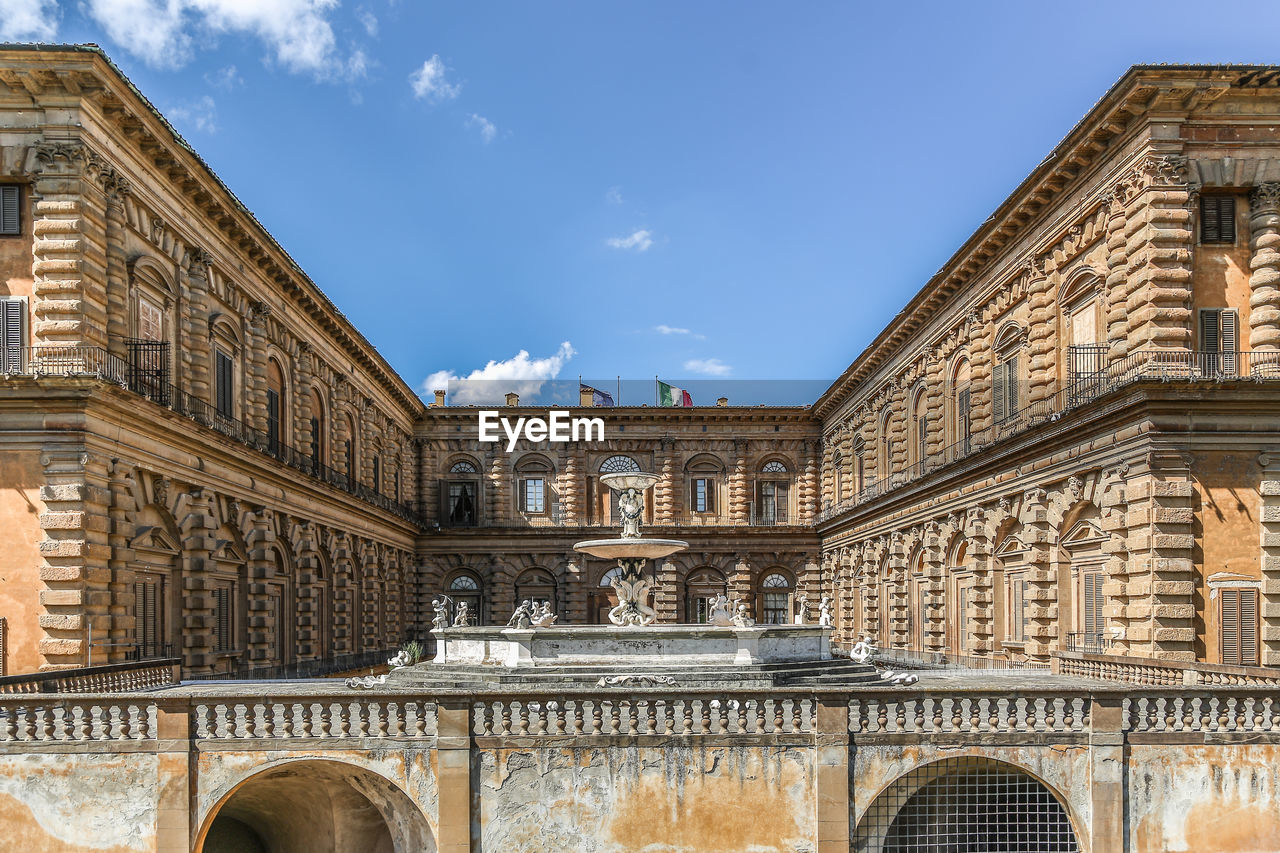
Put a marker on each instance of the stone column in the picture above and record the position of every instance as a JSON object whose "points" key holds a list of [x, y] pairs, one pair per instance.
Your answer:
{"points": [[120, 533], [197, 526], [117, 285], [935, 589], [1042, 350], [665, 489], [307, 567], [739, 483], [1114, 522], [499, 510], [936, 391], [807, 484], [899, 417], [576, 598], [980, 368], [193, 342], [300, 384], [982, 600], [1117, 283], [1042, 603], [1264, 266], [255, 368], [1269, 606], [739, 584], [896, 608], [1159, 250], [261, 567], [68, 552]]}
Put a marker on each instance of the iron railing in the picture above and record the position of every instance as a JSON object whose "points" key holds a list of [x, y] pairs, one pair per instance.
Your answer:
{"points": [[1082, 387], [1095, 643], [84, 361]]}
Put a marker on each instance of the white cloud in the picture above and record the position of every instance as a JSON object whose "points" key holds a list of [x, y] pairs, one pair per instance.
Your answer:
{"points": [[224, 78], [163, 32], [664, 329], [28, 20], [488, 130], [614, 195], [368, 20], [521, 373], [429, 84], [639, 240], [201, 114], [708, 366]]}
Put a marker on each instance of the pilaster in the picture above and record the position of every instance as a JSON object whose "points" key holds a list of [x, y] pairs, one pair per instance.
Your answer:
{"points": [[739, 488], [197, 526], [1264, 266], [1041, 346], [983, 614], [1158, 306], [1042, 603], [1117, 282]]}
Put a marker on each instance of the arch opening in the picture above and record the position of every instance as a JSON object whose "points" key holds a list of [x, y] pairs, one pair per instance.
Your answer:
{"points": [[966, 805], [316, 806]]}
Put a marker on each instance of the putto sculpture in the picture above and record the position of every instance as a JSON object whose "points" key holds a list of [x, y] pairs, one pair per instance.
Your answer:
{"points": [[522, 618], [542, 615], [825, 617], [720, 614], [463, 617]]}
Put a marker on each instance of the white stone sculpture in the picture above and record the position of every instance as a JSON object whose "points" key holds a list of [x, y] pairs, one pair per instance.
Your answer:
{"points": [[441, 620], [742, 619], [630, 507], [522, 618], [542, 616], [720, 614], [463, 617], [862, 650], [825, 617], [639, 678], [802, 610], [633, 593]]}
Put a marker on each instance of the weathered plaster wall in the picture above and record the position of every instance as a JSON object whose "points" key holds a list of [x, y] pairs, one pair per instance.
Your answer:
{"points": [[78, 803], [1229, 520], [715, 799], [1224, 798], [20, 558]]}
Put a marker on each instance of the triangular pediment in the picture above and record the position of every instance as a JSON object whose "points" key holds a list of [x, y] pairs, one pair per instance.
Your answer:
{"points": [[1083, 534], [153, 539]]}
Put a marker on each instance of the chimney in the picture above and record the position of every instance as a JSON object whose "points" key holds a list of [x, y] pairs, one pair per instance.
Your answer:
{"points": [[585, 397], [439, 397], [722, 402], [513, 399]]}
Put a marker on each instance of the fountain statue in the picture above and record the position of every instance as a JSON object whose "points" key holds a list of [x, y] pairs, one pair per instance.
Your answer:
{"points": [[631, 583]]}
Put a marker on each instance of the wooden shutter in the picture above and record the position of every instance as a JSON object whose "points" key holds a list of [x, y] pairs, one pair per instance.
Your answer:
{"points": [[223, 392], [1217, 219], [1238, 624], [443, 509], [780, 493], [712, 483], [523, 487], [1093, 602], [1229, 335], [1011, 385], [13, 314], [1000, 392], [1210, 339], [9, 223], [222, 618], [962, 414]]}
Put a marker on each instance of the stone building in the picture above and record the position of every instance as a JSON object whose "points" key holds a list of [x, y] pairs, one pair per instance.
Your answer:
{"points": [[1067, 440], [201, 457]]}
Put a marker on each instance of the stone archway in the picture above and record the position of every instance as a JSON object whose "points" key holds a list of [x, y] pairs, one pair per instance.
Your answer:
{"points": [[966, 804], [316, 806]]}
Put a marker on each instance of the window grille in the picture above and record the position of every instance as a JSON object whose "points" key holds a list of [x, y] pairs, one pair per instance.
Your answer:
{"points": [[966, 805], [1217, 219], [462, 468], [619, 465], [774, 467]]}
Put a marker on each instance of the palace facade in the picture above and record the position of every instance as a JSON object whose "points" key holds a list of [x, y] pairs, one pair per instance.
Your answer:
{"points": [[1066, 443]]}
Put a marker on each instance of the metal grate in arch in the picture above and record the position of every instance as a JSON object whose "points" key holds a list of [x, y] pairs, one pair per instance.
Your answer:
{"points": [[966, 805]]}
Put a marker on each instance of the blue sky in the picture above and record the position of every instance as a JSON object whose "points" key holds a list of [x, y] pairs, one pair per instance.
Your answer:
{"points": [[692, 189]]}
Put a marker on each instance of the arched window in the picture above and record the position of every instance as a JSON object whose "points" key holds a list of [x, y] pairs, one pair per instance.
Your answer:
{"points": [[773, 494], [1007, 377], [460, 495], [884, 456], [701, 588], [776, 598], [537, 585], [534, 478], [705, 476], [275, 406], [1082, 317], [619, 465], [961, 409], [465, 586], [919, 428], [319, 455], [959, 595], [226, 368], [151, 326]]}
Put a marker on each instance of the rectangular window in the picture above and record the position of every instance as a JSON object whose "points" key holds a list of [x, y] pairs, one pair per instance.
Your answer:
{"points": [[963, 418], [223, 618], [1005, 392], [148, 629], [223, 399], [533, 495], [377, 474], [351, 460], [315, 441], [1094, 623], [460, 503], [10, 225], [273, 420], [1217, 219], [13, 317], [1238, 621], [777, 608], [150, 320], [1016, 609], [702, 497], [773, 502], [1219, 341]]}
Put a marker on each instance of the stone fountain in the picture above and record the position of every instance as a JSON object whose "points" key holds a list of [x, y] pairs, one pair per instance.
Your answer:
{"points": [[634, 648]]}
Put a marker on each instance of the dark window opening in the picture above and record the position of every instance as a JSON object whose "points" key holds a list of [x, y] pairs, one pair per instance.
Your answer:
{"points": [[1218, 219]]}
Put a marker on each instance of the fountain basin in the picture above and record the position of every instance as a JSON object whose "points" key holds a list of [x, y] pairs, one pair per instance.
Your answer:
{"points": [[619, 549], [626, 480], [647, 647]]}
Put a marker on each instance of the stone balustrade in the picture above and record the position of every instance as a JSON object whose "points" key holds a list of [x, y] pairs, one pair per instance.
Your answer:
{"points": [[1147, 671], [306, 718], [110, 678], [31, 722], [961, 713]]}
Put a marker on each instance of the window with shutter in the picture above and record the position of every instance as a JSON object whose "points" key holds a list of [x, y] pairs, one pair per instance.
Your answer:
{"points": [[1093, 603], [1217, 219], [962, 415], [223, 399], [222, 613], [1238, 624], [10, 225], [1229, 336], [13, 315], [273, 422], [1000, 392]]}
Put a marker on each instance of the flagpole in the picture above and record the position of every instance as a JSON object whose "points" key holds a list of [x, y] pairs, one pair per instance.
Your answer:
{"points": [[657, 398]]}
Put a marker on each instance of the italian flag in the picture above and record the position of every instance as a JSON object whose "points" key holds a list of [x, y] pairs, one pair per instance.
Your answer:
{"points": [[670, 395]]}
